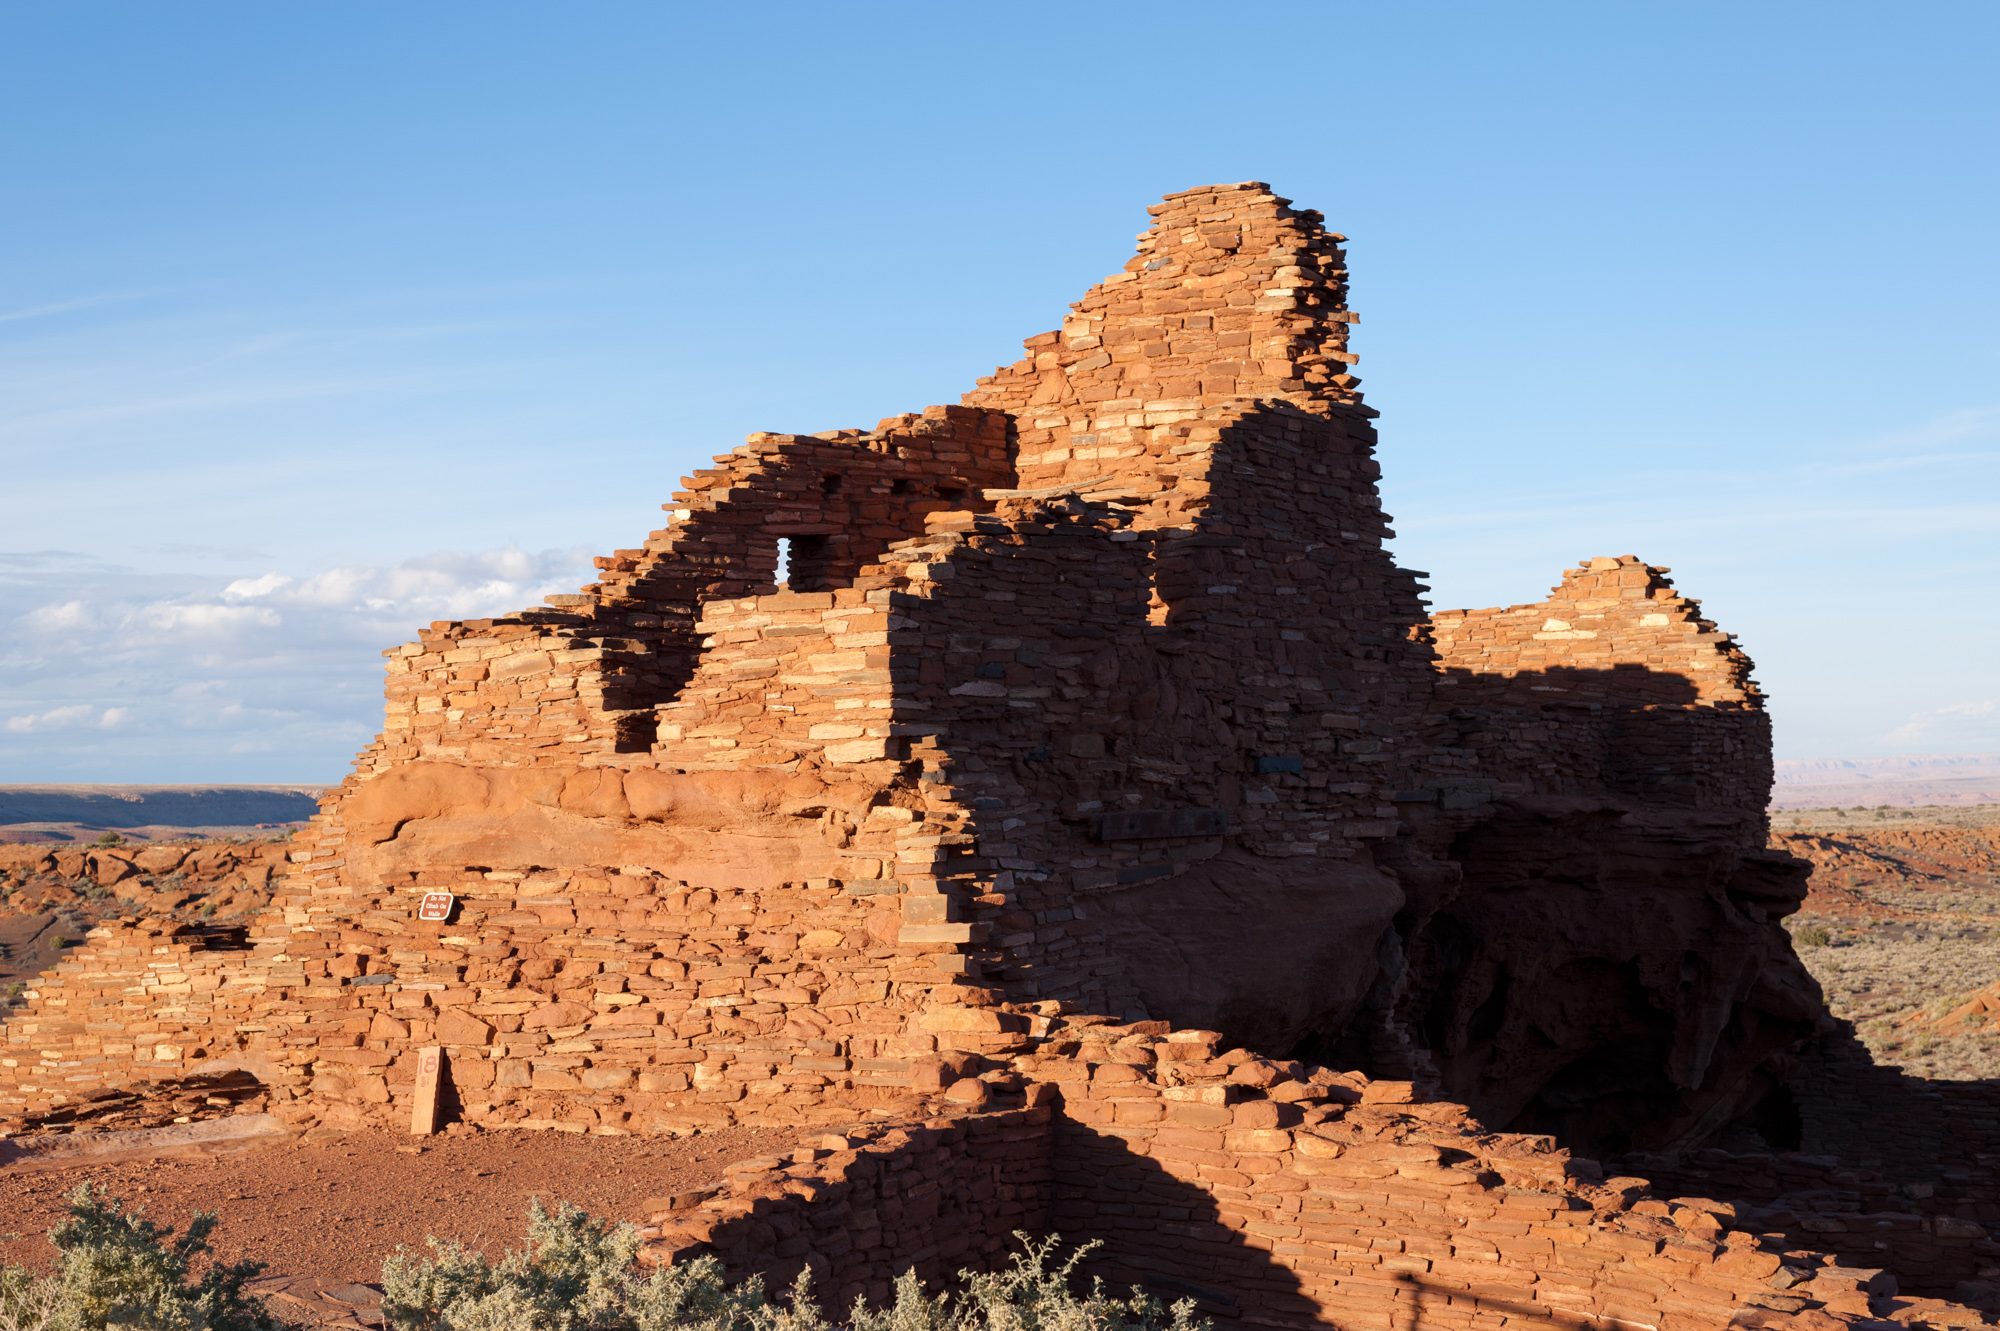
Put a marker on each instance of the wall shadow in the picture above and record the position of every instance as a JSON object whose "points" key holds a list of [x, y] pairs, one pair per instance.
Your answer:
{"points": [[1168, 1236], [1892, 1171], [1427, 1305], [1627, 729]]}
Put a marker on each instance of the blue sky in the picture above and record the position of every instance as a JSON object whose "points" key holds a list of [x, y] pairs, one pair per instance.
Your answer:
{"points": [[320, 321]]}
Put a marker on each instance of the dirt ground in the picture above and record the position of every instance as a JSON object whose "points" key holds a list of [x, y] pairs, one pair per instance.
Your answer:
{"points": [[324, 1210]]}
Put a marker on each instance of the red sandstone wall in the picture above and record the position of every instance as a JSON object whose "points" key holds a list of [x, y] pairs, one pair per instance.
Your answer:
{"points": [[1233, 296], [686, 1006], [134, 1004], [786, 677], [939, 1196], [501, 693], [1614, 683], [1176, 739], [1271, 1194], [580, 679]]}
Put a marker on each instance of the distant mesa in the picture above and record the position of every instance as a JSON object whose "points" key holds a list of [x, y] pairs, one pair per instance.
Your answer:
{"points": [[71, 812], [1904, 782]]}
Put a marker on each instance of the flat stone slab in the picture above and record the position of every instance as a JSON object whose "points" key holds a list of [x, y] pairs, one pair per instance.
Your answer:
{"points": [[55, 1150]]}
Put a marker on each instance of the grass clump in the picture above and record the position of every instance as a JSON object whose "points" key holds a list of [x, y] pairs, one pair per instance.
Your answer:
{"points": [[578, 1274], [116, 1270], [1812, 935]]}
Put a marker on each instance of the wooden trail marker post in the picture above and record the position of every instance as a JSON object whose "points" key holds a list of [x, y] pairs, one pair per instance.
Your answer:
{"points": [[430, 1077]]}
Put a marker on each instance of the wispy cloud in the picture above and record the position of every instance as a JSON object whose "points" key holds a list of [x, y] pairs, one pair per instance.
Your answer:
{"points": [[1965, 720], [221, 399], [1947, 427], [26, 312], [72, 717]]}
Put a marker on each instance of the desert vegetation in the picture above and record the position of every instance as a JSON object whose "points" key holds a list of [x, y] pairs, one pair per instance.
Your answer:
{"points": [[1902, 930], [115, 1269]]}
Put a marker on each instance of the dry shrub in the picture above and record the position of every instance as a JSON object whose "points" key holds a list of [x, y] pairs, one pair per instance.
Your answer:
{"points": [[116, 1270], [577, 1274]]}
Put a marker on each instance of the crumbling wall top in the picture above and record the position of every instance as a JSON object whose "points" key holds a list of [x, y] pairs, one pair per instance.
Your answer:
{"points": [[1233, 296]]}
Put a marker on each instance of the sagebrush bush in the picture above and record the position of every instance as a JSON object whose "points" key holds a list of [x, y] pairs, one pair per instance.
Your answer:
{"points": [[577, 1274], [119, 1270]]}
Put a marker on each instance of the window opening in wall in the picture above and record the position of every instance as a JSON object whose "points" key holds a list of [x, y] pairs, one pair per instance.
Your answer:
{"points": [[1156, 604], [899, 486], [805, 563], [829, 484]]}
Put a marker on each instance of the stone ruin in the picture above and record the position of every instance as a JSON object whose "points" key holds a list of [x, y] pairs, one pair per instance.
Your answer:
{"points": [[1067, 787]]}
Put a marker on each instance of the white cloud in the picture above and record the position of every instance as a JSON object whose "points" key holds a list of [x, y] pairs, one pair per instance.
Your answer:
{"points": [[64, 615], [249, 674], [56, 718], [249, 589], [206, 618], [444, 585]]}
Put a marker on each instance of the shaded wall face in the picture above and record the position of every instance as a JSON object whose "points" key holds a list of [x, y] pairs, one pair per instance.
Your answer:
{"points": [[1179, 743], [1615, 980], [861, 1208]]}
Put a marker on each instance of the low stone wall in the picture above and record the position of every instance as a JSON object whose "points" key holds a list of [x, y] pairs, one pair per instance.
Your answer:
{"points": [[622, 1000], [1271, 1194], [1285, 1196], [937, 1196], [136, 1004], [1932, 1236]]}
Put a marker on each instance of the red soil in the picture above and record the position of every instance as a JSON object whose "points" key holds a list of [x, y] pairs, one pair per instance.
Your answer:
{"points": [[330, 1206]]}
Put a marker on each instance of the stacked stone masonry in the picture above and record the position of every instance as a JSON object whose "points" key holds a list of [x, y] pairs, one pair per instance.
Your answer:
{"points": [[1090, 781]]}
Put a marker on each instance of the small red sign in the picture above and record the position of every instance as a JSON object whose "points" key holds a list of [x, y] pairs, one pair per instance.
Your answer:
{"points": [[436, 907]]}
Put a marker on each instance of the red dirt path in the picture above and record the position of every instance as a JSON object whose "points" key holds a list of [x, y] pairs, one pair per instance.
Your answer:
{"points": [[330, 1206]]}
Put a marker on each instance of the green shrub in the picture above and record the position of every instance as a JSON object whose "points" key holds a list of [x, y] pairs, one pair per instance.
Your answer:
{"points": [[109, 839], [1812, 935], [118, 1270], [577, 1274]]}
